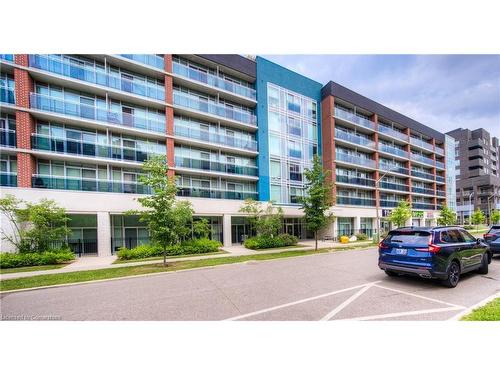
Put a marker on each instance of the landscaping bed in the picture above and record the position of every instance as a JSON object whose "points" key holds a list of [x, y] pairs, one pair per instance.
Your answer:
{"points": [[267, 242], [16, 260], [488, 312]]}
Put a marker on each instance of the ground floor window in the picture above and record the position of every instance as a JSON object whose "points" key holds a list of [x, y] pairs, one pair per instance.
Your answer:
{"points": [[366, 226], [127, 231], [83, 236], [345, 226], [240, 229]]}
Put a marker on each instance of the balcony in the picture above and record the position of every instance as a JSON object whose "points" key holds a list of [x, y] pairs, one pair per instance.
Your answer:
{"points": [[424, 175], [393, 133], [441, 193], [421, 143], [94, 150], [65, 107], [215, 193], [393, 168], [97, 76], [388, 203], [421, 190], [197, 104], [8, 179], [352, 117], [151, 60], [354, 201], [365, 162], [7, 95], [213, 80], [439, 178], [393, 186], [368, 182], [393, 150], [84, 184], [439, 164], [7, 57], [353, 138], [7, 138], [214, 137], [422, 159], [439, 150], [423, 206], [215, 166]]}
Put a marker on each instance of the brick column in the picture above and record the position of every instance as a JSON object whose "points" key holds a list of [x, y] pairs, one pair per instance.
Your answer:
{"points": [[169, 114], [25, 124], [328, 139]]}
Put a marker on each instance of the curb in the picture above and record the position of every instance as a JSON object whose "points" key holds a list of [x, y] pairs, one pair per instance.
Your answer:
{"points": [[2, 293], [467, 311]]}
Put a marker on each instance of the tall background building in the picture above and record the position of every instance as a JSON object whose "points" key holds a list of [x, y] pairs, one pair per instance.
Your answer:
{"points": [[477, 172], [77, 128]]}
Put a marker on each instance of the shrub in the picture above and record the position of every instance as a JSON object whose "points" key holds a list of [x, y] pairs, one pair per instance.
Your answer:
{"points": [[12, 260], [361, 236], [469, 227], [196, 246], [265, 242]]}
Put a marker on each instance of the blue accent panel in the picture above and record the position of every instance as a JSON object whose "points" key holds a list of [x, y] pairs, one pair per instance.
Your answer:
{"points": [[268, 71]]}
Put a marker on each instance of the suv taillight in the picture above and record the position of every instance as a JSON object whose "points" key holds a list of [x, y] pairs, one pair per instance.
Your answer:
{"points": [[434, 248], [488, 235], [383, 246]]}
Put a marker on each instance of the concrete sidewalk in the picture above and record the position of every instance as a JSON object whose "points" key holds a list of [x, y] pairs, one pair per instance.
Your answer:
{"points": [[95, 263]]}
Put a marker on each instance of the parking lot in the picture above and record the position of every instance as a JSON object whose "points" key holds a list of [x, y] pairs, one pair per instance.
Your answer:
{"points": [[331, 286]]}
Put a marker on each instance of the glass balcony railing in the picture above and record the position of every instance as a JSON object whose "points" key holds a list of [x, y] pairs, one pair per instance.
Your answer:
{"points": [[392, 133], [85, 184], [422, 159], [415, 189], [213, 137], [439, 164], [393, 150], [7, 138], [8, 179], [422, 206], [98, 76], [439, 178], [393, 186], [352, 117], [355, 180], [194, 102], [213, 80], [215, 193], [354, 201], [441, 193], [77, 147], [355, 160], [388, 203], [393, 168], [7, 95], [152, 60], [420, 174], [47, 103], [215, 166], [439, 150], [353, 138], [421, 143], [7, 57]]}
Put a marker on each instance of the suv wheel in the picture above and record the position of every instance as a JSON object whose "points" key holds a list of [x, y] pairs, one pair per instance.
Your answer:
{"points": [[453, 275], [391, 273], [483, 270]]}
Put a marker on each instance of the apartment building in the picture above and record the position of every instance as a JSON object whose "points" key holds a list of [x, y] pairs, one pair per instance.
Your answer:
{"points": [[77, 128], [477, 170]]}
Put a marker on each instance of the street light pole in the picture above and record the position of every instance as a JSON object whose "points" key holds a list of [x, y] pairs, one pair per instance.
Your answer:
{"points": [[470, 207], [489, 208], [377, 205]]}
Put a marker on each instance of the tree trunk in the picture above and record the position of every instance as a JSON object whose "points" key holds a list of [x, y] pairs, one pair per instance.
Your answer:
{"points": [[315, 240], [164, 257]]}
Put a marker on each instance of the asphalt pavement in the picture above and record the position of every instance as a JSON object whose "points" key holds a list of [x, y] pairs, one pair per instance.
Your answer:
{"points": [[329, 286]]}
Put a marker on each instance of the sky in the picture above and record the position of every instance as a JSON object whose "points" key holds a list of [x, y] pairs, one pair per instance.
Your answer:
{"points": [[444, 92]]}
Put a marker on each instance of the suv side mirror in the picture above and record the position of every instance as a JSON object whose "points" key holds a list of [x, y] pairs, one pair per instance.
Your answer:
{"points": [[478, 241]]}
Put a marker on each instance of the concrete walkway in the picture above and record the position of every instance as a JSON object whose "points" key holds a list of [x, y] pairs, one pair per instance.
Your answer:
{"points": [[95, 263]]}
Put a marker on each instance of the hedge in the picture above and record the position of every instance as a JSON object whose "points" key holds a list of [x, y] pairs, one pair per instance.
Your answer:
{"points": [[12, 260], [197, 246], [263, 242]]}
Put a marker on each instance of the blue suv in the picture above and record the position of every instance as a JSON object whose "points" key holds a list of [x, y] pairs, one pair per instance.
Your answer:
{"points": [[433, 252], [492, 238]]}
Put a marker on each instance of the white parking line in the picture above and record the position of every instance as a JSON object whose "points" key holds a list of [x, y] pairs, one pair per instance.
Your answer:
{"points": [[406, 313], [299, 301], [419, 296], [346, 303]]}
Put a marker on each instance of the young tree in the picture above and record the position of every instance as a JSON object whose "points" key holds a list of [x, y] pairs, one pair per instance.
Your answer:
{"points": [[316, 200], [494, 216], [401, 214], [37, 226], [266, 221], [168, 220], [477, 217], [446, 216], [254, 211], [201, 228]]}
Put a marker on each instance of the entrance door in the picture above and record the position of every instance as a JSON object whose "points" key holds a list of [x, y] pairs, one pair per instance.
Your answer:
{"points": [[289, 229]]}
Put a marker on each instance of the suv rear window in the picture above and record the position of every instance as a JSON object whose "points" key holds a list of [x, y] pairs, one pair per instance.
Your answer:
{"points": [[417, 238], [494, 229]]}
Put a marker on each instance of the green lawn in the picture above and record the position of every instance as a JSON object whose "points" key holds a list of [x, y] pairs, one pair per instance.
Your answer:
{"points": [[285, 247], [490, 311], [110, 273], [31, 268], [118, 261]]}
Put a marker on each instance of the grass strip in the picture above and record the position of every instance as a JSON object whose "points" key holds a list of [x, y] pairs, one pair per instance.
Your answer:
{"points": [[111, 273], [31, 268], [488, 312], [118, 261]]}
